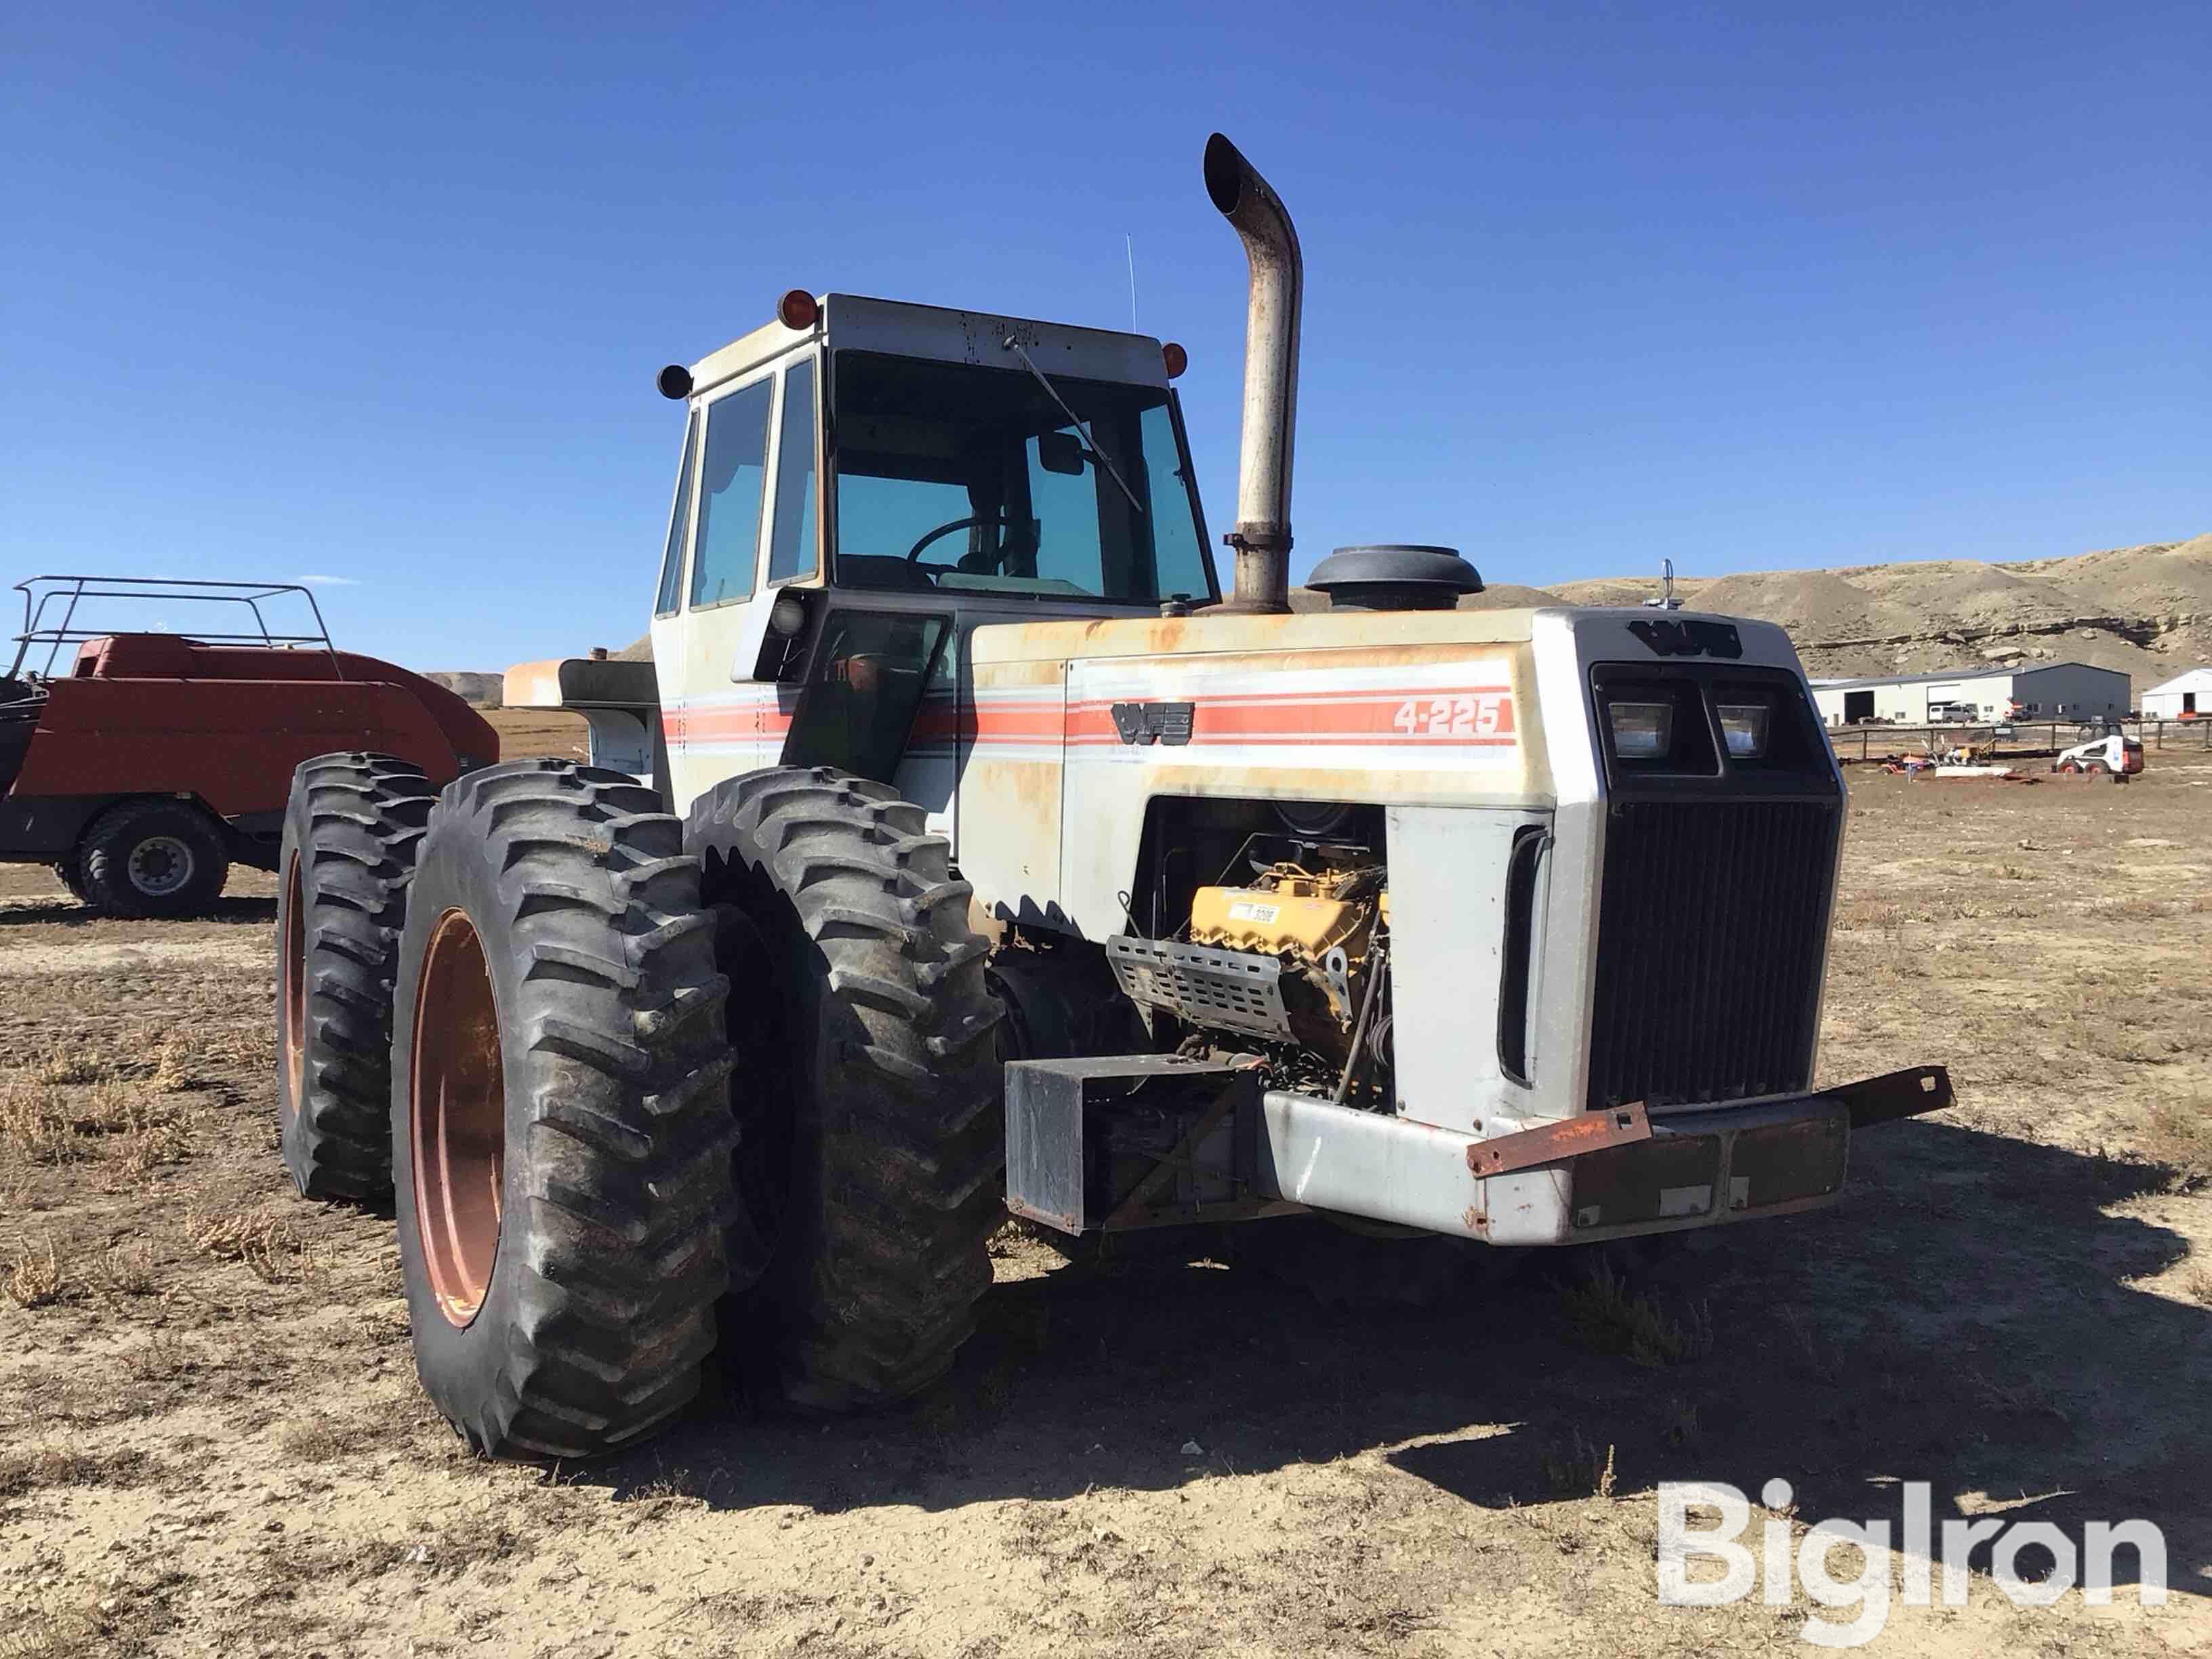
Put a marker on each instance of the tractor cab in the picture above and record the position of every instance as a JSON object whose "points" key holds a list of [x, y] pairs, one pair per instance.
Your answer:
{"points": [[864, 483]]}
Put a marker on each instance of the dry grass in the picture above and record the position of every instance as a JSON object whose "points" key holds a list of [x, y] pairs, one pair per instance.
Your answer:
{"points": [[35, 1280], [2197, 1282], [1607, 1317], [37, 1128], [164, 1357], [117, 1121], [1679, 1425], [2177, 1134], [177, 1063], [22, 1472], [74, 1066], [262, 1239], [1811, 1351], [61, 1627], [1574, 1468], [324, 1438], [124, 1270]]}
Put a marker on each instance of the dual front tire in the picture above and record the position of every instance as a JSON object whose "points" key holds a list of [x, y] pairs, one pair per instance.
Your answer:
{"points": [[868, 1085]]}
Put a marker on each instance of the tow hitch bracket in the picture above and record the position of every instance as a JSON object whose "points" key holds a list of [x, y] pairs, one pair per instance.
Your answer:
{"points": [[1547, 1143], [1894, 1095]]}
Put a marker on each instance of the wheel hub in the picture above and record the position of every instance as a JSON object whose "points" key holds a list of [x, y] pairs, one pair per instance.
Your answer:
{"points": [[457, 1117], [160, 864]]}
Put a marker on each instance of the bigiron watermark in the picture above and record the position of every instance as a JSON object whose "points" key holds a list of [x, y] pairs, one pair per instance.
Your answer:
{"points": [[1689, 1533]]}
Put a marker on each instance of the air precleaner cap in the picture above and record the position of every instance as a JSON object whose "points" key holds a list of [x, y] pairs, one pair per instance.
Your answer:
{"points": [[1395, 577]]}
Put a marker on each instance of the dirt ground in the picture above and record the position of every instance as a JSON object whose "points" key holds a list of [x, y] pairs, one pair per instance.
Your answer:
{"points": [[211, 1440]]}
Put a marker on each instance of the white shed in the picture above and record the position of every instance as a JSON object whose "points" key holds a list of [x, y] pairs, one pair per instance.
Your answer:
{"points": [[2180, 698], [2028, 691]]}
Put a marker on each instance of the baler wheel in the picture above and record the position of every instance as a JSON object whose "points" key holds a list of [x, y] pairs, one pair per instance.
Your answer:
{"points": [[155, 856], [874, 1125], [350, 831], [559, 1115]]}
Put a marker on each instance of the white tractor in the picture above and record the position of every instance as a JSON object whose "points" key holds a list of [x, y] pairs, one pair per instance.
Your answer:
{"points": [[962, 849]]}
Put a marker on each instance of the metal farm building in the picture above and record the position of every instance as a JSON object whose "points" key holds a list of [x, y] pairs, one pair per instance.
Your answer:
{"points": [[2042, 691], [2188, 697]]}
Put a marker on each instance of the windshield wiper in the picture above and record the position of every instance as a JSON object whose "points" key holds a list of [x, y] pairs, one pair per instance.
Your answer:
{"points": [[1051, 391]]}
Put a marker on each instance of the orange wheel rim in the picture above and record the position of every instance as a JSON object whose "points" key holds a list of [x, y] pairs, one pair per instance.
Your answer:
{"points": [[457, 1116], [292, 966]]}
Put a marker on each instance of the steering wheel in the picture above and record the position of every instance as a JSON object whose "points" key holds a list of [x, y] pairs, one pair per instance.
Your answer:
{"points": [[942, 530]]}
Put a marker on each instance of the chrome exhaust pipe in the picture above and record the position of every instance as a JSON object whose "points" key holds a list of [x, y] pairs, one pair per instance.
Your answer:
{"points": [[1262, 536]]}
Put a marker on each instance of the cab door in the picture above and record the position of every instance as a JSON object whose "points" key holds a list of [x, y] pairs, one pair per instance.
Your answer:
{"points": [[745, 521]]}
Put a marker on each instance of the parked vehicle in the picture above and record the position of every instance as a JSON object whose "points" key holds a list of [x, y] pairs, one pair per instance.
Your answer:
{"points": [[1507, 926], [152, 761], [2114, 755]]}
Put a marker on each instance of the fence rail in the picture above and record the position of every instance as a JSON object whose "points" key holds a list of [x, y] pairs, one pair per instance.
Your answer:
{"points": [[1871, 742]]}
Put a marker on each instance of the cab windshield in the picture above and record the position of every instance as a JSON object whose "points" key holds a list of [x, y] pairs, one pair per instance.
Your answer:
{"points": [[965, 476]]}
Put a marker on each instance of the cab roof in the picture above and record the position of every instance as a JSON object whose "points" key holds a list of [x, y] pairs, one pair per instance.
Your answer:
{"points": [[853, 321]]}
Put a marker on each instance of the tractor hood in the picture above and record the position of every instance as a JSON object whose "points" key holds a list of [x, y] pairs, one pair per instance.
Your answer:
{"points": [[1218, 631]]}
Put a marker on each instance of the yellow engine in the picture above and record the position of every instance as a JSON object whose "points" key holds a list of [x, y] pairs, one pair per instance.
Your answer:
{"points": [[1323, 926]]}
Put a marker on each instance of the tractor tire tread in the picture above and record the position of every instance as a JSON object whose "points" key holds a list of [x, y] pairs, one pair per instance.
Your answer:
{"points": [[364, 814], [625, 1188], [909, 1137]]}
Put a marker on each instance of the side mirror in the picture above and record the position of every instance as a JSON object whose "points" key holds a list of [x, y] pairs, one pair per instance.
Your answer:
{"points": [[1060, 453], [772, 635]]}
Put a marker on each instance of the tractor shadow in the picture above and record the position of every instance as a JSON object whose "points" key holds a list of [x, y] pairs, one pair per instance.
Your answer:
{"points": [[1965, 1318], [63, 912]]}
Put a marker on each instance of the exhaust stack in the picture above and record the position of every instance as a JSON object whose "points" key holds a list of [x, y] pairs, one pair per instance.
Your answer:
{"points": [[1262, 536]]}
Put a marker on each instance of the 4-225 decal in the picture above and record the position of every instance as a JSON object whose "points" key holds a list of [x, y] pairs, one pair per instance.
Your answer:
{"points": [[1466, 715]]}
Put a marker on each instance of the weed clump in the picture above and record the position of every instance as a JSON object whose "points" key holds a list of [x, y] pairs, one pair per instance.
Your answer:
{"points": [[1607, 1317]]}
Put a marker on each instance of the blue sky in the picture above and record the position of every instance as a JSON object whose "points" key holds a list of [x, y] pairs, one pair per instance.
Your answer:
{"points": [[378, 293]]}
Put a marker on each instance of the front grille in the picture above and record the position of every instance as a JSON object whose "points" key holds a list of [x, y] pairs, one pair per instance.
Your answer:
{"points": [[1711, 925]]}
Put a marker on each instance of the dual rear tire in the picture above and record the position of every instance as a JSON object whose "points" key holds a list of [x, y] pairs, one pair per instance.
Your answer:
{"points": [[607, 1166], [560, 1132], [350, 830]]}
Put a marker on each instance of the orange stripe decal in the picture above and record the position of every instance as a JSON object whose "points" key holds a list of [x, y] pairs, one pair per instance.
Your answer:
{"points": [[1481, 717]]}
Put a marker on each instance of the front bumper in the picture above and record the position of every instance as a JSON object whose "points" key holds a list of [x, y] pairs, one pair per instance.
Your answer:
{"points": [[1599, 1175]]}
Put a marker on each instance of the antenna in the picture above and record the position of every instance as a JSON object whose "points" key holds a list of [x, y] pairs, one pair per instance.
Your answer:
{"points": [[1129, 243]]}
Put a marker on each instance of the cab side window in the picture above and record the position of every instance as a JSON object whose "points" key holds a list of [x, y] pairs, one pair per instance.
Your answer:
{"points": [[729, 491], [791, 551], [671, 561]]}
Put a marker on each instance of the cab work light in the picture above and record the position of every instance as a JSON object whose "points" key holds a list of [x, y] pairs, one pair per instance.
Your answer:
{"points": [[1642, 731], [1744, 725]]}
